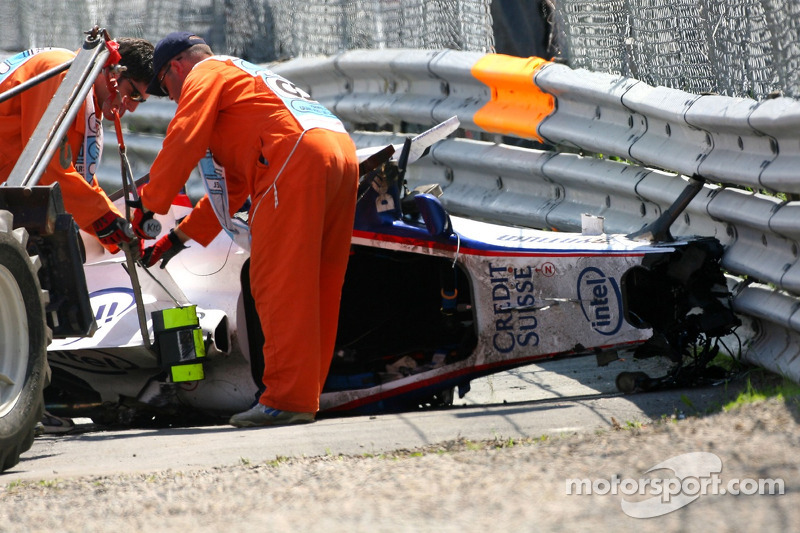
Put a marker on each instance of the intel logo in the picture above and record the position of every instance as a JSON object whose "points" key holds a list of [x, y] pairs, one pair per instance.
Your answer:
{"points": [[110, 304], [601, 301]]}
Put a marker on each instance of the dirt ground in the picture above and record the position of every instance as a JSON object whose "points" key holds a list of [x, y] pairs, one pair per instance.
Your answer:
{"points": [[456, 486]]}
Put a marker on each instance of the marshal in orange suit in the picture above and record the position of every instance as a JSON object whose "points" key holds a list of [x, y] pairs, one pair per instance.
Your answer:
{"points": [[271, 142], [74, 164]]}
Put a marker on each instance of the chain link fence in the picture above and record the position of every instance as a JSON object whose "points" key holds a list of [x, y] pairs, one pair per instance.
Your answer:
{"points": [[745, 48], [259, 30]]}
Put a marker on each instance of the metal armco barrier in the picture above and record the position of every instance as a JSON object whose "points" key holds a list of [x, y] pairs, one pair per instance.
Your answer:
{"points": [[542, 144]]}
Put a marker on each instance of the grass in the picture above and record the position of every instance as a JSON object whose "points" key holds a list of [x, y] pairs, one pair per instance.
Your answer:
{"points": [[279, 460], [780, 388], [43, 483], [760, 385], [633, 424]]}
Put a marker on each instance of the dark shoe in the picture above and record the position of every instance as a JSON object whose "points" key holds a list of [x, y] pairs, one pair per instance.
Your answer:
{"points": [[56, 424], [262, 415]]}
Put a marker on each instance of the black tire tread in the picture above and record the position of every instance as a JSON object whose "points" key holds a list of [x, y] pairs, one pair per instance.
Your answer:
{"points": [[17, 426]]}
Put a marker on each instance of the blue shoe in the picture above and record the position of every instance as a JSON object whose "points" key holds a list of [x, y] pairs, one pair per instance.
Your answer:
{"points": [[262, 415]]}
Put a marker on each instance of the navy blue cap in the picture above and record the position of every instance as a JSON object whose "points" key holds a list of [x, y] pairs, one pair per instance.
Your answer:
{"points": [[167, 48]]}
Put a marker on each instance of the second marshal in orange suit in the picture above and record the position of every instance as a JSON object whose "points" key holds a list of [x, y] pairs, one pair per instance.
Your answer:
{"points": [[261, 137], [74, 164]]}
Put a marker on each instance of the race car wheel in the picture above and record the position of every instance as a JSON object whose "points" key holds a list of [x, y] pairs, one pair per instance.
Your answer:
{"points": [[24, 337]]}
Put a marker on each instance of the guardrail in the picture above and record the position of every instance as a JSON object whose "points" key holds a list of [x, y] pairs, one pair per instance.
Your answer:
{"points": [[538, 148]]}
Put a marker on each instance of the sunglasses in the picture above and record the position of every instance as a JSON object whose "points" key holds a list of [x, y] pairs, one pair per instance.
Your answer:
{"points": [[135, 95], [161, 79]]}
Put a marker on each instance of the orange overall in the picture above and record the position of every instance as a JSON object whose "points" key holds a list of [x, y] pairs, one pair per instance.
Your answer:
{"points": [[300, 224], [19, 116]]}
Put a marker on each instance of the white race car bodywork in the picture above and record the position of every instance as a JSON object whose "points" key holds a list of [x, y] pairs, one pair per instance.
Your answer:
{"points": [[430, 301], [534, 295]]}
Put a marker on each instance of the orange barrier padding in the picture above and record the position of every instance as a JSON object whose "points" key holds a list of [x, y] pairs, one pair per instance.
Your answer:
{"points": [[517, 106]]}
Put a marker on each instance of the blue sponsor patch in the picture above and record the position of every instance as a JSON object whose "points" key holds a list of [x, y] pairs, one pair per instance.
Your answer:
{"points": [[314, 108]]}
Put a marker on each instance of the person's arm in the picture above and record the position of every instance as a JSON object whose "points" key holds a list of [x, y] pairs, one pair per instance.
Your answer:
{"points": [[165, 248], [84, 200], [201, 224], [187, 139]]}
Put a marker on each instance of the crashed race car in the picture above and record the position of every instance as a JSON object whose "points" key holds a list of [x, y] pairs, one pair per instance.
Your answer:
{"points": [[430, 302]]}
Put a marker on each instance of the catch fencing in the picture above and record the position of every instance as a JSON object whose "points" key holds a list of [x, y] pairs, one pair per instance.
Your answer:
{"points": [[731, 47], [542, 143]]}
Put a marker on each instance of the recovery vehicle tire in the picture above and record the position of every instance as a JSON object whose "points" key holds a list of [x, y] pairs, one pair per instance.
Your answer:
{"points": [[24, 337]]}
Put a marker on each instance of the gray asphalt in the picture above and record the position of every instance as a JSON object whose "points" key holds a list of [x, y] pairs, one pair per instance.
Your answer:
{"points": [[555, 398]]}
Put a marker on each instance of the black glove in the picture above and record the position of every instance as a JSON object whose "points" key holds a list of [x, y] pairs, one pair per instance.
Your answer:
{"points": [[144, 225], [164, 249], [112, 229]]}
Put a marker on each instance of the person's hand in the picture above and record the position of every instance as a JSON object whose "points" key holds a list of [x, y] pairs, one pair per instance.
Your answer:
{"points": [[164, 249], [112, 229], [144, 225]]}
